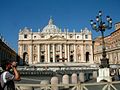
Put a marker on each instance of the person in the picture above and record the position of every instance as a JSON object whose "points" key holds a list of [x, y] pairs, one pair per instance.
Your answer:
{"points": [[9, 75]]}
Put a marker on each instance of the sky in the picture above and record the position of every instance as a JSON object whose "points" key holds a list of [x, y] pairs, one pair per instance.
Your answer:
{"points": [[71, 14]]}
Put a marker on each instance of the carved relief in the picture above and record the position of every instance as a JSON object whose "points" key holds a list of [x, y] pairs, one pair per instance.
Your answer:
{"points": [[78, 52]]}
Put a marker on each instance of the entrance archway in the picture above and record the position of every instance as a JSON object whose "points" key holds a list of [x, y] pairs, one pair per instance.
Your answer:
{"points": [[42, 58], [71, 58], [51, 59], [87, 56], [57, 58]]}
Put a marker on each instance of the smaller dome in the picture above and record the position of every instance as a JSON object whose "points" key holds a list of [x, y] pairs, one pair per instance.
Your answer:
{"points": [[50, 28]]}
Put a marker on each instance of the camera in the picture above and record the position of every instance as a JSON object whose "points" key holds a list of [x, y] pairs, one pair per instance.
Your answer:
{"points": [[9, 66]]}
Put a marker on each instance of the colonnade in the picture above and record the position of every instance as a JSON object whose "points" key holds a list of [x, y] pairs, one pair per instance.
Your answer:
{"points": [[48, 53], [63, 54]]}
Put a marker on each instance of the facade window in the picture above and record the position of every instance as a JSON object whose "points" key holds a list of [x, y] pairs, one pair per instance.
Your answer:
{"points": [[42, 36], [35, 58], [86, 36], [57, 58], [77, 36], [25, 35], [42, 52], [24, 47], [71, 36], [34, 36]]}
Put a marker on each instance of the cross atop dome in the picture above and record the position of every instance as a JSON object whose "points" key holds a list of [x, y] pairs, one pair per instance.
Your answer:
{"points": [[50, 21]]}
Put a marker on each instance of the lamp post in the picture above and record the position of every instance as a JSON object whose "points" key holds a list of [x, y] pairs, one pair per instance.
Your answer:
{"points": [[101, 26]]}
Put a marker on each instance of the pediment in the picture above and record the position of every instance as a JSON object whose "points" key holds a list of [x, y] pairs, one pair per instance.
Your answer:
{"points": [[57, 38], [25, 31]]}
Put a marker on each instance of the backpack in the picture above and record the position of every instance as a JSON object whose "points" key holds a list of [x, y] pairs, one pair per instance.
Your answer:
{"points": [[0, 85], [10, 84], [2, 88]]}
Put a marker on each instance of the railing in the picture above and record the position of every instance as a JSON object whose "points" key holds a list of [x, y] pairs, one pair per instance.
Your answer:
{"points": [[80, 86]]}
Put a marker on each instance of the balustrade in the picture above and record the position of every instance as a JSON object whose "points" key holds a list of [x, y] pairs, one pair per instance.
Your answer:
{"points": [[78, 86]]}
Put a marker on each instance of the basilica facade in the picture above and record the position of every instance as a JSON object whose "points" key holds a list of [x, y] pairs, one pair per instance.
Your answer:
{"points": [[53, 45]]}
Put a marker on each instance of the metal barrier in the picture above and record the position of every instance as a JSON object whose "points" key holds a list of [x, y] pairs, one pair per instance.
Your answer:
{"points": [[79, 86]]}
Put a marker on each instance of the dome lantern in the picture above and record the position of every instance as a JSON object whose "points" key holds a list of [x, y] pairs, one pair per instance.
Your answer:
{"points": [[50, 21]]}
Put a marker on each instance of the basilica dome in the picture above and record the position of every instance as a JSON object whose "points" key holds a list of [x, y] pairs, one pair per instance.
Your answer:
{"points": [[50, 28]]}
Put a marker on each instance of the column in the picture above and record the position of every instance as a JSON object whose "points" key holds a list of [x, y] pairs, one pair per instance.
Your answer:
{"points": [[53, 52], [91, 54], [68, 53], [31, 54], [60, 51], [65, 52], [20, 51], [38, 53], [82, 54], [48, 53], [75, 58], [21, 54]]}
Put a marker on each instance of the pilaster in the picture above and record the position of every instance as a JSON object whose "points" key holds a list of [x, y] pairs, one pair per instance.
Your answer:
{"points": [[31, 54], [53, 52]]}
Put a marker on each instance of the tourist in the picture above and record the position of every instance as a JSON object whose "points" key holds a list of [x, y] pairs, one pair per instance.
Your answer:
{"points": [[9, 75]]}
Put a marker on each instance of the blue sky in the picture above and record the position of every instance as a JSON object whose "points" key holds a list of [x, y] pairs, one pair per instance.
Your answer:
{"points": [[71, 14]]}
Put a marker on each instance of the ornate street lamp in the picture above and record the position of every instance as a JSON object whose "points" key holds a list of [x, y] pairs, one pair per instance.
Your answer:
{"points": [[101, 26]]}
